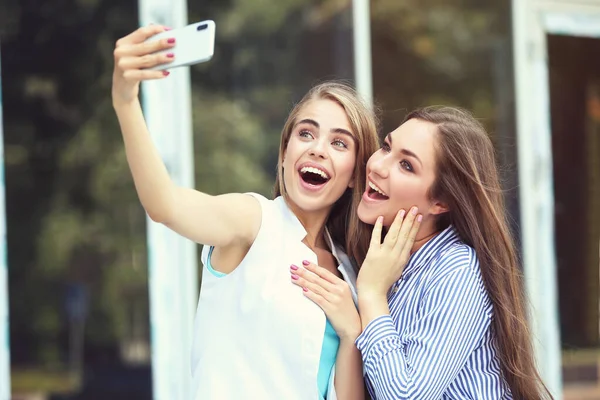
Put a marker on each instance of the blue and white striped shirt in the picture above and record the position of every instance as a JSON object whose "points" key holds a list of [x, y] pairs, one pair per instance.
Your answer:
{"points": [[438, 342]]}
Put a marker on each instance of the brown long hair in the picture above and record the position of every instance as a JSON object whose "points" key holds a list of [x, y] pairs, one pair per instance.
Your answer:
{"points": [[343, 224], [467, 182]]}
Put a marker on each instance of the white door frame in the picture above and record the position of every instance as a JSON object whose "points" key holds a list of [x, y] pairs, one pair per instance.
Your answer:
{"points": [[533, 20], [4, 321]]}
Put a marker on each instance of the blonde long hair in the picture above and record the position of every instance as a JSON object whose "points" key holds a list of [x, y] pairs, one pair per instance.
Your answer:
{"points": [[343, 224]]}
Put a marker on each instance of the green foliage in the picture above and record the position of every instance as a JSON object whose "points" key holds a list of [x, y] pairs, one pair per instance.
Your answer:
{"points": [[73, 214]]}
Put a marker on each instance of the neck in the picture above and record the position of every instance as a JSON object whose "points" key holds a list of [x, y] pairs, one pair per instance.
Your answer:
{"points": [[314, 224], [426, 233]]}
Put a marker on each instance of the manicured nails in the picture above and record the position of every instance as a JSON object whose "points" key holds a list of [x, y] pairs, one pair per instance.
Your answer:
{"points": [[294, 267], [171, 40], [305, 263], [402, 213], [305, 289], [295, 277], [414, 210], [170, 55], [166, 73], [420, 218]]}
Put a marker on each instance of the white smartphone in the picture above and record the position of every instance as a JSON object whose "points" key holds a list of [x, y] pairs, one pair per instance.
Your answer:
{"points": [[194, 43]]}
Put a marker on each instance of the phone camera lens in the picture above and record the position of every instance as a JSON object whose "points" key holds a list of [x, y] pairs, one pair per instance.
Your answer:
{"points": [[202, 27]]}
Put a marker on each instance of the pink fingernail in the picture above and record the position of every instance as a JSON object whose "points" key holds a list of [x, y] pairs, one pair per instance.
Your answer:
{"points": [[414, 210], [305, 289], [171, 40], [305, 262], [295, 277], [166, 73], [167, 28], [419, 218], [170, 55], [293, 267], [402, 212]]}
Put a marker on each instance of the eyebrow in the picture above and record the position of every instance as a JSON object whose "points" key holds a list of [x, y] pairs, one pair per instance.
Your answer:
{"points": [[406, 152], [334, 130]]}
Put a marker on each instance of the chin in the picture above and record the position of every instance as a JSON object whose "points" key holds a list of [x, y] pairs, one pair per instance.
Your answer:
{"points": [[369, 215], [366, 216], [310, 203]]}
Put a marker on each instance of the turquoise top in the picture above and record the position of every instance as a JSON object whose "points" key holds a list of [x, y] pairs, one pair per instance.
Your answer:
{"points": [[331, 343]]}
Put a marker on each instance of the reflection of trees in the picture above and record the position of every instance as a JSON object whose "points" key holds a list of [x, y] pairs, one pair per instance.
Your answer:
{"points": [[455, 52], [73, 215], [441, 52]]}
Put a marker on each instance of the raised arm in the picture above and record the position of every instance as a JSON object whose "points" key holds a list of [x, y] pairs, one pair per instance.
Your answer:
{"points": [[214, 220]]}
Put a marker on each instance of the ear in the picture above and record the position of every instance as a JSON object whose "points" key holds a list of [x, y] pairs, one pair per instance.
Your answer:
{"points": [[438, 207], [351, 184]]}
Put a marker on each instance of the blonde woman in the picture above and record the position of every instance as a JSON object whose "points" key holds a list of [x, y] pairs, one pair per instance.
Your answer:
{"points": [[255, 336]]}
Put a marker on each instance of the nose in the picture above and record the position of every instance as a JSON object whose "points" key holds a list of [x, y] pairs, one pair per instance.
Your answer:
{"points": [[378, 164], [318, 148]]}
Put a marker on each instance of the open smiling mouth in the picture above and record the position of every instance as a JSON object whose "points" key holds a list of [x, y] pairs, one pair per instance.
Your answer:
{"points": [[376, 193], [313, 176]]}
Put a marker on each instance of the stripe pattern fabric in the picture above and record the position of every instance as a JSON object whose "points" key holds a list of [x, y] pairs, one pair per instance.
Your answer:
{"points": [[438, 341]]}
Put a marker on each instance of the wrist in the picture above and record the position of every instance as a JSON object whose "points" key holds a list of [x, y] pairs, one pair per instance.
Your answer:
{"points": [[372, 305], [350, 336], [371, 289], [119, 101], [371, 293]]}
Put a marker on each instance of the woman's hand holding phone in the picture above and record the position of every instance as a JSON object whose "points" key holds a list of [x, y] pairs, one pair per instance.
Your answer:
{"points": [[134, 55]]}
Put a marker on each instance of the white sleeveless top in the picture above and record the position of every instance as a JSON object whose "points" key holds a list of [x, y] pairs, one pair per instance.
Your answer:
{"points": [[256, 335]]}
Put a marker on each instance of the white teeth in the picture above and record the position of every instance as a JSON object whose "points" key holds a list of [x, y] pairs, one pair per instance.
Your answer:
{"points": [[375, 188], [314, 170]]}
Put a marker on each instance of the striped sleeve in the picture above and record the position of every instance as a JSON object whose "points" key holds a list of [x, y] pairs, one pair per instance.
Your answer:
{"points": [[425, 359]]}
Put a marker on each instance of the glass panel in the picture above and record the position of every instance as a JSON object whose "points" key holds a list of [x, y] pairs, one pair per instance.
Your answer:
{"points": [[574, 72], [76, 232], [450, 52], [267, 56]]}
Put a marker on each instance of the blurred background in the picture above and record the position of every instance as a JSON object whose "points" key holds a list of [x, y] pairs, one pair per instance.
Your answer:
{"points": [[78, 296]]}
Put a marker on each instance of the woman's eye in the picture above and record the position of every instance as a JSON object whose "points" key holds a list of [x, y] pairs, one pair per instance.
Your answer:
{"points": [[406, 165], [385, 147], [305, 134], [340, 143]]}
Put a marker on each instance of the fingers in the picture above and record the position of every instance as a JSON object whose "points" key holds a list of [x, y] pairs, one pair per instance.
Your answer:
{"points": [[310, 286], [133, 52], [407, 224], [147, 61], [410, 237], [144, 48], [141, 34], [316, 298], [144, 74], [392, 236], [376, 234], [325, 294], [321, 272], [306, 278]]}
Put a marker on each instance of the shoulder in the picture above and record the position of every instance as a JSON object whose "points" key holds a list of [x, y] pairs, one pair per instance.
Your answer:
{"points": [[262, 210], [456, 257], [457, 268]]}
